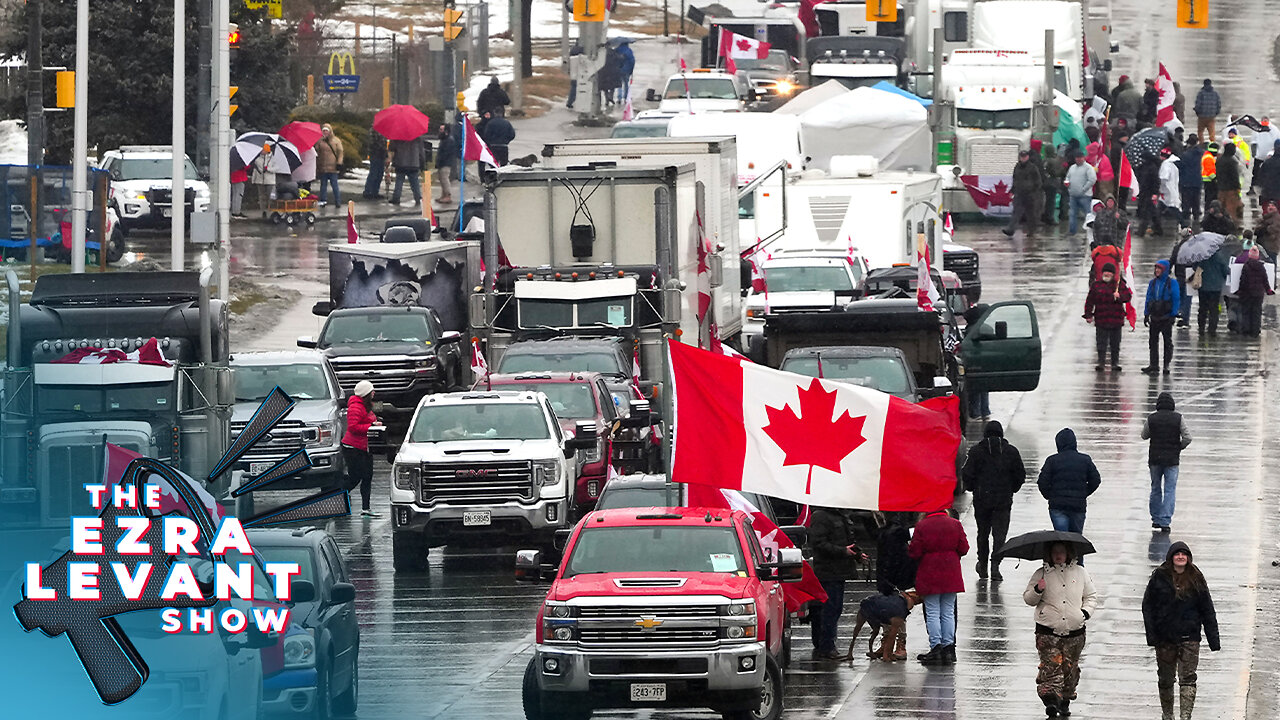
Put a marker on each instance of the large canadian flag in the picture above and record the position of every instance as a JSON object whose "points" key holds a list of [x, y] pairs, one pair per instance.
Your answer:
{"points": [[1164, 106], [812, 441], [148, 354], [473, 148], [992, 194]]}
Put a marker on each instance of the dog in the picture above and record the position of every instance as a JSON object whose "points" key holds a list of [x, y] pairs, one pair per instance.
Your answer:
{"points": [[882, 612]]}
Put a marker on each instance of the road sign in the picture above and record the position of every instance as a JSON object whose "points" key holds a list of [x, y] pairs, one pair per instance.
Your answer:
{"points": [[232, 108], [1193, 14], [345, 80], [882, 10], [588, 10], [275, 8]]}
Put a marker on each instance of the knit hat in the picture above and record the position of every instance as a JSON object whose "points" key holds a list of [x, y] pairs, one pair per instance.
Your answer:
{"points": [[1108, 268], [364, 388]]}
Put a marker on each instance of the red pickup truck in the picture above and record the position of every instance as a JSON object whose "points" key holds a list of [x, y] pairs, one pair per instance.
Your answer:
{"points": [[659, 607]]}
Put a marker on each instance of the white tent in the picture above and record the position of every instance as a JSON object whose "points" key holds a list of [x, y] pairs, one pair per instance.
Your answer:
{"points": [[865, 121], [813, 96]]}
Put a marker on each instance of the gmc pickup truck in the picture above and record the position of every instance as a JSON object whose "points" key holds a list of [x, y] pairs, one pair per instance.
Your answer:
{"points": [[659, 608]]}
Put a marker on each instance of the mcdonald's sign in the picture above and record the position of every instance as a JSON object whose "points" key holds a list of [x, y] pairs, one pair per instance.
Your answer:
{"points": [[345, 80], [275, 8]]}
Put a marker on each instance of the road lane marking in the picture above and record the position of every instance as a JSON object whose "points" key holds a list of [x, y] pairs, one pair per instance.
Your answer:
{"points": [[857, 680]]}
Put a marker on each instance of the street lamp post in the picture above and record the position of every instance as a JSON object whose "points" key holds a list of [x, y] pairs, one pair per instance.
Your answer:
{"points": [[80, 143]]}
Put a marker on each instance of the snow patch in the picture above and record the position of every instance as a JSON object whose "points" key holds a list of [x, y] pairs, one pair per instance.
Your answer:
{"points": [[13, 142]]}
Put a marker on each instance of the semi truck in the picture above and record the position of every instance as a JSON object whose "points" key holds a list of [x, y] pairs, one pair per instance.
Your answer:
{"points": [[167, 395], [1021, 25], [859, 60]]}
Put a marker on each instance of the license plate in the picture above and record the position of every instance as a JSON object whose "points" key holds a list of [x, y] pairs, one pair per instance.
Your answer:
{"points": [[166, 212], [257, 468], [648, 692], [474, 519]]}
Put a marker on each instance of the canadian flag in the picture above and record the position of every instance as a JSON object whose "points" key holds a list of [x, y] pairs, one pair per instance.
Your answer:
{"points": [[148, 354], [755, 259], [703, 284], [479, 367], [948, 226], [749, 427], [740, 47], [771, 538], [635, 366], [353, 235], [1129, 310], [1164, 106], [993, 194], [1126, 178], [116, 460], [473, 148], [927, 297]]}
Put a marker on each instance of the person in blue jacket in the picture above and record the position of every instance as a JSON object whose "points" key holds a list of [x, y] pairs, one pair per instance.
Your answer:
{"points": [[1160, 312], [626, 66]]}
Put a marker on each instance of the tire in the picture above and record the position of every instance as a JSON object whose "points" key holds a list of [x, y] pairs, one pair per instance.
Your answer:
{"points": [[536, 705], [346, 703], [324, 694], [115, 248], [291, 219], [770, 699], [408, 552], [311, 218], [276, 218]]}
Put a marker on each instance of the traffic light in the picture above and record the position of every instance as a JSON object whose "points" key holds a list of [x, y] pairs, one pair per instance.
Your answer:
{"points": [[65, 85], [1193, 14], [882, 10], [588, 10], [233, 36], [231, 108], [451, 27]]}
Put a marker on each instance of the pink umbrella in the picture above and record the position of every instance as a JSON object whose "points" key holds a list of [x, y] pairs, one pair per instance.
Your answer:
{"points": [[401, 122], [303, 135]]}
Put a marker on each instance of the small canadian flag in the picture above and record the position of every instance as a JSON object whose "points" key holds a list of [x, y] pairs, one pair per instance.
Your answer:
{"points": [[740, 47], [478, 365]]}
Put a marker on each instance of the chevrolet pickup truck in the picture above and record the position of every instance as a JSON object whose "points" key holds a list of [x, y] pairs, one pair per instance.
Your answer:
{"points": [[659, 608]]}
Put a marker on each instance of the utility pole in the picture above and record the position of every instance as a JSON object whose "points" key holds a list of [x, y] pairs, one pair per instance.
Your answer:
{"points": [[220, 160], [35, 87], [80, 143], [204, 47], [178, 193], [452, 30], [517, 39]]}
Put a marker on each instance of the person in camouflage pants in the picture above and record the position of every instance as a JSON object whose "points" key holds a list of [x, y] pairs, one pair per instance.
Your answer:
{"points": [[1059, 667], [1064, 597]]}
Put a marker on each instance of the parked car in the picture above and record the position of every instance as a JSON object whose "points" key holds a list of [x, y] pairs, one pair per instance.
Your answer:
{"points": [[322, 658], [316, 423]]}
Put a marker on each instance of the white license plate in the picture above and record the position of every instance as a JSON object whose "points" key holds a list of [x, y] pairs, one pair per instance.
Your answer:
{"points": [[166, 212], [474, 519], [648, 692], [257, 468]]}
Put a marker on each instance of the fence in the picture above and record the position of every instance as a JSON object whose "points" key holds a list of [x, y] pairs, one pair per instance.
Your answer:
{"points": [[43, 208]]}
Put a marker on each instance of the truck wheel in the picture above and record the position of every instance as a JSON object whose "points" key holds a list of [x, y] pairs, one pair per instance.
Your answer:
{"points": [[536, 704], [408, 552], [347, 702], [115, 248], [770, 696], [276, 218]]}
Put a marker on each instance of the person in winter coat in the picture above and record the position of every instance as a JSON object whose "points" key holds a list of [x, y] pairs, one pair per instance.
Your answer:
{"points": [[1159, 314], [835, 560], [1254, 287], [1183, 273], [1167, 431], [1066, 480], [1189, 183], [1229, 174], [1206, 107], [1128, 102], [626, 66], [1065, 598], [1028, 187], [1179, 102], [1055, 200], [1268, 178], [1267, 231], [937, 546], [492, 98], [1104, 307], [1170, 196], [1148, 210], [1150, 104], [1079, 181], [498, 134], [895, 570], [377, 165], [1106, 174], [355, 443], [994, 473], [1176, 607], [609, 78], [1110, 224], [409, 157], [447, 154], [1213, 274], [328, 160], [1216, 220]]}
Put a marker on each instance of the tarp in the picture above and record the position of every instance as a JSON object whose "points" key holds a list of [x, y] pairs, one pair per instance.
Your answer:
{"points": [[812, 97], [887, 86], [865, 121]]}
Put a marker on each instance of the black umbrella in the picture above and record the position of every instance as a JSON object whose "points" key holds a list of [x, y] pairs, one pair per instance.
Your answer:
{"points": [[1035, 545], [1145, 146], [1199, 247], [1248, 121]]}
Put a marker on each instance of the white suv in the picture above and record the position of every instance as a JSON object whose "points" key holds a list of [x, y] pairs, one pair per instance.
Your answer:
{"points": [[141, 185], [800, 280]]}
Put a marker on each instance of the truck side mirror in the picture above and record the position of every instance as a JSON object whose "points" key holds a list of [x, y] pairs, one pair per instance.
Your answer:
{"points": [[790, 564], [528, 566], [716, 267], [478, 308], [307, 341], [1106, 65], [1002, 330], [651, 95], [450, 336], [799, 534], [322, 308], [638, 414], [560, 539], [302, 591]]}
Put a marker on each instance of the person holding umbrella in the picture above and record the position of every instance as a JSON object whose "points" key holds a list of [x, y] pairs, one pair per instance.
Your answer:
{"points": [[1213, 273], [1064, 597], [1175, 607]]}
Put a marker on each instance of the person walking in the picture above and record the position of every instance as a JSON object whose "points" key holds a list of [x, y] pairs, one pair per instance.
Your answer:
{"points": [[1254, 287], [1206, 107], [1167, 431], [1212, 274], [492, 98], [1229, 174], [1184, 274], [1268, 177], [1148, 210], [1064, 598], [835, 558], [1128, 103], [1209, 173], [1067, 479], [447, 154], [1110, 223], [937, 546], [626, 66], [1104, 308], [498, 134], [994, 473], [328, 161], [1170, 193], [1053, 171], [239, 179], [1027, 192], [1159, 313], [1080, 181], [377, 165], [408, 157], [895, 570], [355, 444], [609, 77], [1176, 607], [1189, 181]]}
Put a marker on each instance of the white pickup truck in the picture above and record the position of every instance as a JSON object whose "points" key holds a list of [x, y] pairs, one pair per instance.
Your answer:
{"points": [[141, 185]]}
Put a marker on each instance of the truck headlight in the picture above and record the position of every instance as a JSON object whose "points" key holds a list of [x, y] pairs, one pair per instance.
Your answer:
{"points": [[592, 454], [322, 434], [738, 621], [299, 651], [544, 473], [559, 622], [426, 363], [406, 476]]}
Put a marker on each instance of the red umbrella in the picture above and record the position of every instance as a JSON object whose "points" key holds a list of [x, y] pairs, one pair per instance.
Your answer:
{"points": [[401, 122], [303, 135]]}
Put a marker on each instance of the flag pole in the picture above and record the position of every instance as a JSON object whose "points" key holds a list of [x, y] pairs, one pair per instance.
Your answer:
{"points": [[462, 165]]}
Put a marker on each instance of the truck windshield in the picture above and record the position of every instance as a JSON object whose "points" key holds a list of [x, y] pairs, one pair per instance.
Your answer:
{"points": [[993, 119], [287, 554], [655, 549], [701, 88], [300, 382], [600, 362], [776, 60], [629, 497], [808, 279], [571, 401], [376, 327], [149, 169], [481, 421], [602, 312], [140, 397], [885, 374]]}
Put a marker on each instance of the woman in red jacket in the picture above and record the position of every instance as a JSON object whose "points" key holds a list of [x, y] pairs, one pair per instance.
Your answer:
{"points": [[355, 443], [937, 546]]}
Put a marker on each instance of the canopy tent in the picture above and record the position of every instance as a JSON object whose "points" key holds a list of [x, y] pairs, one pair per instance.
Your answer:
{"points": [[891, 127], [812, 97], [887, 86]]}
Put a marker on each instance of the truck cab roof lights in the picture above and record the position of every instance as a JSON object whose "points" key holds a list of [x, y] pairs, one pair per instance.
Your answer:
{"points": [[659, 516]]}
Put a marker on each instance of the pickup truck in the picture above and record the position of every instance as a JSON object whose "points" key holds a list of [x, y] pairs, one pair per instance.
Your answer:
{"points": [[483, 468], [879, 368], [659, 608]]}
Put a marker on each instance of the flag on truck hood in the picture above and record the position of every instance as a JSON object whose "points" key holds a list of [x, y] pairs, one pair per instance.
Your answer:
{"points": [[749, 427], [148, 354], [772, 539]]}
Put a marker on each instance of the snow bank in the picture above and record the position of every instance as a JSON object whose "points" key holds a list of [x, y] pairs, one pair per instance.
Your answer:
{"points": [[13, 143]]}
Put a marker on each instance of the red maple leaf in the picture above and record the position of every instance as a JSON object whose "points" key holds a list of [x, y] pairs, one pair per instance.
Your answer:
{"points": [[744, 44], [1000, 194], [814, 437]]}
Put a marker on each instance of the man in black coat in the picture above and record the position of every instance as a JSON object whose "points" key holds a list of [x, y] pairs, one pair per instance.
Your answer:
{"points": [[498, 134], [835, 559], [1167, 431], [993, 472], [493, 98], [1175, 606], [1028, 192], [1067, 480]]}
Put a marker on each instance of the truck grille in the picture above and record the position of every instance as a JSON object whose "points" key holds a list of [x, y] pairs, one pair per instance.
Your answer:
{"points": [[962, 263], [992, 158], [665, 626], [588, 611], [68, 463], [658, 637], [286, 436], [464, 483], [386, 376]]}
